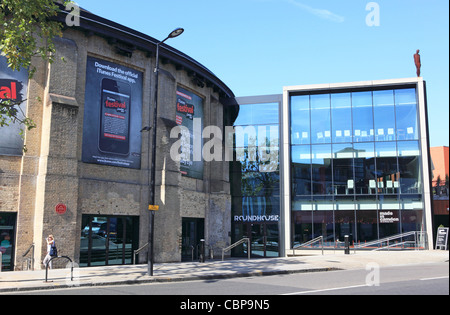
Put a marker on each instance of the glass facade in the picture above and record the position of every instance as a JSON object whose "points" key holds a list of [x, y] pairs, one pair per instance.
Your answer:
{"points": [[255, 179], [355, 165]]}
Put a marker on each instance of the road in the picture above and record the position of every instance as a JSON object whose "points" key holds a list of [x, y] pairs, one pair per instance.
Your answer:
{"points": [[425, 279]]}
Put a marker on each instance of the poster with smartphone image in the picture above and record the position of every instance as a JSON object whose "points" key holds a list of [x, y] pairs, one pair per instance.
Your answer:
{"points": [[112, 114]]}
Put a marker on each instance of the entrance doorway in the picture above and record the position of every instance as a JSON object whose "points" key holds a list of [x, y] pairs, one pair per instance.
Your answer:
{"points": [[193, 232], [7, 233], [264, 239], [108, 240]]}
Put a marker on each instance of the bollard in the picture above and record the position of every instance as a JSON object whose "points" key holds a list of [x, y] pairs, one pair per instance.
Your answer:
{"points": [[347, 245], [202, 251]]}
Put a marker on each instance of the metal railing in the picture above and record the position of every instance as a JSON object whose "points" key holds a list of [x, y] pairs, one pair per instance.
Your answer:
{"points": [[419, 241], [137, 251], [29, 261], [242, 241], [309, 243]]}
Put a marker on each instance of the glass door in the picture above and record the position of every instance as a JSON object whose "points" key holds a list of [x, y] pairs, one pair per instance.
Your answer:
{"points": [[264, 239], [108, 240]]}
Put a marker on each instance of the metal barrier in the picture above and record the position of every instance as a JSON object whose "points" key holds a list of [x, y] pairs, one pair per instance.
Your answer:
{"points": [[316, 240], [227, 249], [49, 262]]}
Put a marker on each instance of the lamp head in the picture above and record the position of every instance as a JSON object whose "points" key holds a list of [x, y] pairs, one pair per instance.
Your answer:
{"points": [[177, 32]]}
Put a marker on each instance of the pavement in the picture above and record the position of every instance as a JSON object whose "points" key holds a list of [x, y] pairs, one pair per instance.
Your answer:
{"points": [[309, 261]]}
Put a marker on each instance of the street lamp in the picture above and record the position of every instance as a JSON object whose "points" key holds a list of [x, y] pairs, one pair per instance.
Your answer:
{"points": [[175, 33]]}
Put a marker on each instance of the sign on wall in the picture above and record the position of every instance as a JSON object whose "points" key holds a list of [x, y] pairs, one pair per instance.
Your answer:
{"points": [[13, 87], [112, 114], [190, 115]]}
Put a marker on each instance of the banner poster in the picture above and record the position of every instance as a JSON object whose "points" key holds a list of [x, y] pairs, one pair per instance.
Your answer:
{"points": [[112, 115], [13, 87], [190, 115]]}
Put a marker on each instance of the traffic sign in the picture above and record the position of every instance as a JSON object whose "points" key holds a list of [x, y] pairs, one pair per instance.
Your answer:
{"points": [[153, 208]]}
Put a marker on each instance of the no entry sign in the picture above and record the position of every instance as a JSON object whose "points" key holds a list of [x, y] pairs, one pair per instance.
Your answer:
{"points": [[61, 208]]}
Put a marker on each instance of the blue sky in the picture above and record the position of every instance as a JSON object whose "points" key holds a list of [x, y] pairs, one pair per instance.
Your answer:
{"points": [[258, 46]]}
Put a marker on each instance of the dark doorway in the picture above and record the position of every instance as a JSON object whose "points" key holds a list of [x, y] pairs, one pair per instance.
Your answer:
{"points": [[193, 232], [7, 240]]}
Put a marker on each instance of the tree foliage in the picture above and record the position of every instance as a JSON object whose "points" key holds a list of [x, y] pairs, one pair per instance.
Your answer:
{"points": [[27, 30]]}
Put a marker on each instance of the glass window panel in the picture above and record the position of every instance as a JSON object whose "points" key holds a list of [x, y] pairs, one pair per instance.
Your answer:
{"points": [[389, 222], [323, 224], [266, 113], [363, 129], [406, 114], [344, 224], [301, 170], [253, 114], [256, 209], [341, 107], [321, 170], [300, 120], [412, 220], [245, 116], [409, 166], [387, 171], [365, 179], [384, 115], [256, 184], [367, 226], [344, 182], [303, 227], [320, 118]]}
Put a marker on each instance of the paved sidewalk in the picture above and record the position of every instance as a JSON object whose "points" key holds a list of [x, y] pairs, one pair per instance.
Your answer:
{"points": [[312, 261]]}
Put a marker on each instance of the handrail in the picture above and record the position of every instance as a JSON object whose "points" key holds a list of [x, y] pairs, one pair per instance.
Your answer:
{"points": [[226, 249], [137, 251], [416, 235], [317, 239], [31, 260]]}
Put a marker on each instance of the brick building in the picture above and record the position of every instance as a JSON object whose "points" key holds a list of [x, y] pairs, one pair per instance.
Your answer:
{"points": [[89, 155]]}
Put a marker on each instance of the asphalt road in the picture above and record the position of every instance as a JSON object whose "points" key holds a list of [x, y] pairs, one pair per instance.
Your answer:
{"points": [[426, 279]]}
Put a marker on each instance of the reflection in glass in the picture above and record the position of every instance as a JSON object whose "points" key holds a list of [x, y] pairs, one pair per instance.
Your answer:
{"points": [[341, 113], [300, 120], [344, 182], [362, 116], [365, 168], [301, 170], [321, 170], [409, 166], [384, 115], [387, 171], [321, 116], [406, 114]]}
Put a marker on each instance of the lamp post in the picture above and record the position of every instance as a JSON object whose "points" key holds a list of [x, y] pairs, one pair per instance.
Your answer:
{"points": [[177, 32]]}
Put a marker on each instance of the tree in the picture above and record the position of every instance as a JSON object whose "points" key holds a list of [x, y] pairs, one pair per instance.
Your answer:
{"points": [[27, 30]]}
